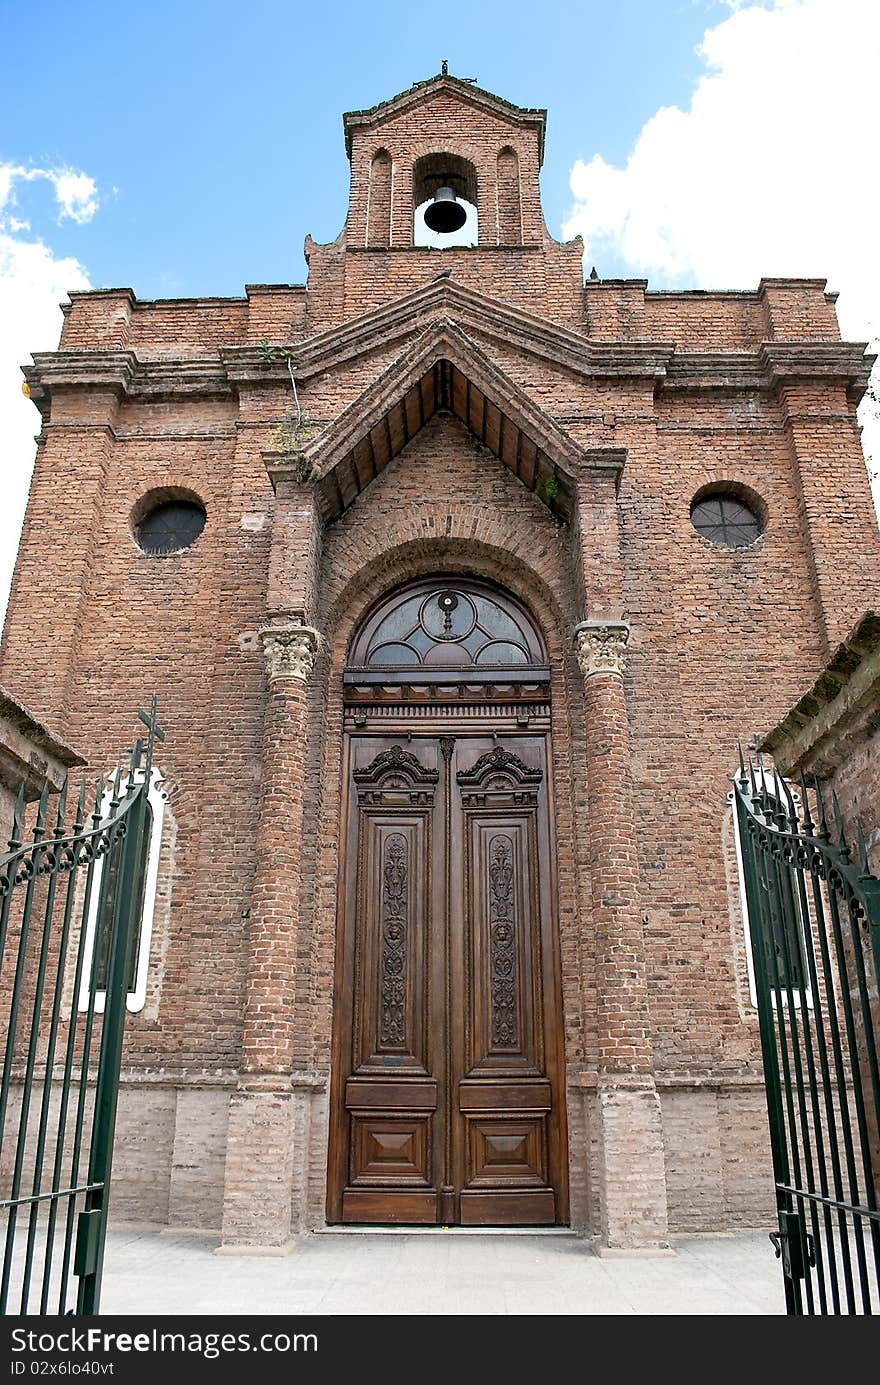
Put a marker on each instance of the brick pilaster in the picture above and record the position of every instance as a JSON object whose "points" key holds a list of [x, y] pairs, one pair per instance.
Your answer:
{"points": [[257, 1202], [295, 555], [290, 649], [597, 533], [624, 1038], [841, 539], [259, 1161], [632, 1190], [72, 462]]}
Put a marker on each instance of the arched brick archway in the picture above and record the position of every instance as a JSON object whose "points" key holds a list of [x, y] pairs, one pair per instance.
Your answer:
{"points": [[347, 596]]}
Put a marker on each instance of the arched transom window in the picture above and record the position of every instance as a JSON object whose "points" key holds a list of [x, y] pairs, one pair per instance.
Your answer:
{"points": [[448, 624]]}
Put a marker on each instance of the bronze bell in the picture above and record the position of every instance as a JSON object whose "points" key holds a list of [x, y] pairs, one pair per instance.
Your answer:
{"points": [[445, 214]]}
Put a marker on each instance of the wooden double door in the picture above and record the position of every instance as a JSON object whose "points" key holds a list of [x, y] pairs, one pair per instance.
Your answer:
{"points": [[447, 1093]]}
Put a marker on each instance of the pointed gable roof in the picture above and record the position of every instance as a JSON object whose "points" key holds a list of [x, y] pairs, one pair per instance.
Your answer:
{"points": [[442, 371], [532, 117]]}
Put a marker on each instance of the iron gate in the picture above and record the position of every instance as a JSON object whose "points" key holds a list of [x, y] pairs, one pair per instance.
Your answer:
{"points": [[814, 927], [69, 901]]}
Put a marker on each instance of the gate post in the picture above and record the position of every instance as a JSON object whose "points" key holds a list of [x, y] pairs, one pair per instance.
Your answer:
{"points": [[632, 1172], [91, 1232], [259, 1159]]}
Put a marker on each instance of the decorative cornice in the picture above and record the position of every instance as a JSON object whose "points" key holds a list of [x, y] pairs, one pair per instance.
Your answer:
{"points": [[289, 649], [469, 311], [715, 370], [51, 370], [30, 755], [600, 646], [768, 365], [14, 713], [846, 360], [122, 372], [190, 375]]}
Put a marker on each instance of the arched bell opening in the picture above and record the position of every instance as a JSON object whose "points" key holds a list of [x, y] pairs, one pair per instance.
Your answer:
{"points": [[444, 201], [448, 1098]]}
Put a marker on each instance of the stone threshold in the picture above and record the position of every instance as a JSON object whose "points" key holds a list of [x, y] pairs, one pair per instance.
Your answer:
{"points": [[446, 1231]]}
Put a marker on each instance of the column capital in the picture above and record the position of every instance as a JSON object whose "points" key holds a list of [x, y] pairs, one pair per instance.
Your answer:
{"points": [[600, 646], [289, 649]]}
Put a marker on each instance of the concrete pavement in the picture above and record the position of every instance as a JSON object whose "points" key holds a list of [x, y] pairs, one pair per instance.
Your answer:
{"points": [[440, 1273]]}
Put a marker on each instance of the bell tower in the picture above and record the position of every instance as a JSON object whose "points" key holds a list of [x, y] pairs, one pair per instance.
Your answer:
{"points": [[444, 167], [445, 133]]}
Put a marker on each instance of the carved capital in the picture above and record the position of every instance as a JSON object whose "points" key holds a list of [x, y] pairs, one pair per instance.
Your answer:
{"points": [[290, 649], [600, 646]]}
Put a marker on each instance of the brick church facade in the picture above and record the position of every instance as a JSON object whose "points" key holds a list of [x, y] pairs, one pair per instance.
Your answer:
{"points": [[444, 919]]}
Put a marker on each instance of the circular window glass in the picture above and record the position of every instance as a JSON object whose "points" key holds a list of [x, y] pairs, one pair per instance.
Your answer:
{"points": [[170, 526], [726, 519], [448, 615]]}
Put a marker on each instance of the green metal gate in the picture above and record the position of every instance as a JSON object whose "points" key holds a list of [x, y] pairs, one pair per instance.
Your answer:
{"points": [[68, 904], [814, 926]]}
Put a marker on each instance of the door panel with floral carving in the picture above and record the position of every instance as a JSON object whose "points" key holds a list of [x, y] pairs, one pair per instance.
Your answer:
{"points": [[447, 1097]]}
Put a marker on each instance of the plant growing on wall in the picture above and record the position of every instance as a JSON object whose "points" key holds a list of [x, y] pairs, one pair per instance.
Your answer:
{"points": [[549, 488], [295, 428], [292, 433]]}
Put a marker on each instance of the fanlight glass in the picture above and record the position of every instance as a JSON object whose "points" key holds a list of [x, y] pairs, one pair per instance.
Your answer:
{"points": [[448, 624]]}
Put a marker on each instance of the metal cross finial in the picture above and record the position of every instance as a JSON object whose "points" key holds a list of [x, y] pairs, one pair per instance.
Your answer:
{"points": [[150, 721], [444, 68], [155, 732]]}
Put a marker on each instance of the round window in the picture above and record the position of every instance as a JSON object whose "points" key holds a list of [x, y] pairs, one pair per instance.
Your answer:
{"points": [[726, 519], [170, 526]]}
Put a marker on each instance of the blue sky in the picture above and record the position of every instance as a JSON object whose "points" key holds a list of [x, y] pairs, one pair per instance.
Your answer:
{"points": [[187, 149], [213, 131]]}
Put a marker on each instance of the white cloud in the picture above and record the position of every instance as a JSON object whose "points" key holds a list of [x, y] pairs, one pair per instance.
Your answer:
{"points": [[33, 282], [771, 170], [75, 193]]}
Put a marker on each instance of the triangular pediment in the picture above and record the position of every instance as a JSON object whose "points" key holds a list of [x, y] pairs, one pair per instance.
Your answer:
{"points": [[492, 319], [442, 371], [466, 92], [478, 315]]}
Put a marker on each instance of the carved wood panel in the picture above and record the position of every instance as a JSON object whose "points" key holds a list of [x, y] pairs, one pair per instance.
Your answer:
{"points": [[390, 1021], [448, 1099]]}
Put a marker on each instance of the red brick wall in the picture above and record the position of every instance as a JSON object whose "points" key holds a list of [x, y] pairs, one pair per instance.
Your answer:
{"points": [[700, 320], [84, 647]]}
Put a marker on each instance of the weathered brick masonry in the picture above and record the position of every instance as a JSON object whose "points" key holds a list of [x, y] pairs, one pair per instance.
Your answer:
{"points": [[560, 460]]}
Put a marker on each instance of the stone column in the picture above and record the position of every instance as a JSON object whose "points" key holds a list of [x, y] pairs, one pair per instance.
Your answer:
{"points": [[260, 1150], [632, 1177]]}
